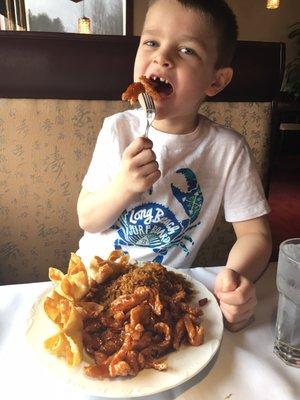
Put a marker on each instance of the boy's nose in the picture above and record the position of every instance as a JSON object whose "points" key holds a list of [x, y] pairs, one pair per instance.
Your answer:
{"points": [[163, 61]]}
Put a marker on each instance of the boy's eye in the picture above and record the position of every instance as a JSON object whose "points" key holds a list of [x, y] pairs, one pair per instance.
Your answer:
{"points": [[150, 43], [187, 50]]}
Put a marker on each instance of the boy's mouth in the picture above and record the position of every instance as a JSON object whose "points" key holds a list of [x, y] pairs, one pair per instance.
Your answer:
{"points": [[161, 85]]}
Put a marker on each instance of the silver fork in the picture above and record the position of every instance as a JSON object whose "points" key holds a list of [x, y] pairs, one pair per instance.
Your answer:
{"points": [[150, 116], [150, 111]]}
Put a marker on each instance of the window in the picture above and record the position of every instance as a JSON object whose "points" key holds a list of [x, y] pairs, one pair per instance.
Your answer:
{"points": [[103, 17]]}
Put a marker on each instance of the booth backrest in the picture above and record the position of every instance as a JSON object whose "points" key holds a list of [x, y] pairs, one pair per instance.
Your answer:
{"points": [[55, 91]]}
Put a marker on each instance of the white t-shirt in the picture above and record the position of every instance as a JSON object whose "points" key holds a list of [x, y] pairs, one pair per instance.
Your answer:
{"points": [[201, 171]]}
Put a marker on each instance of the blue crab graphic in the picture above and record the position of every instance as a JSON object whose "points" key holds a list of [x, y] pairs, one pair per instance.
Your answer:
{"points": [[156, 226]]}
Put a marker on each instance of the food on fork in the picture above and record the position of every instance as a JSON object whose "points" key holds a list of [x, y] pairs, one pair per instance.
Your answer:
{"points": [[127, 320], [150, 88], [136, 88]]}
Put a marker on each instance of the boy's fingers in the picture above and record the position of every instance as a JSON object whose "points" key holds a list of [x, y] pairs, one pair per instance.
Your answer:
{"points": [[137, 146], [239, 309], [241, 295], [227, 281], [237, 326], [234, 314], [153, 177], [149, 168], [145, 157], [234, 319]]}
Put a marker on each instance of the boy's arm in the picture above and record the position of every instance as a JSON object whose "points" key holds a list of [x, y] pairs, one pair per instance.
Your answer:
{"points": [[247, 260], [251, 252], [98, 210]]}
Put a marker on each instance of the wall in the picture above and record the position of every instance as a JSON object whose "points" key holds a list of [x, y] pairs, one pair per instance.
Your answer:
{"points": [[258, 23], [255, 21], [139, 12]]}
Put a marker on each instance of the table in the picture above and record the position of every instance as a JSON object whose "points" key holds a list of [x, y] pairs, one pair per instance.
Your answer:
{"points": [[245, 367]]}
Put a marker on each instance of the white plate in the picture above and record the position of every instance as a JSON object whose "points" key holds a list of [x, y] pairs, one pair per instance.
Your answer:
{"points": [[182, 364]]}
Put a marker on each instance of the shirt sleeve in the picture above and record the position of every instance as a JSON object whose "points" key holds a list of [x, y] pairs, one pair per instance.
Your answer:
{"points": [[244, 196], [103, 161]]}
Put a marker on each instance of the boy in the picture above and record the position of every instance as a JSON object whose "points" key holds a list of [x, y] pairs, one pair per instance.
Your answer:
{"points": [[193, 164]]}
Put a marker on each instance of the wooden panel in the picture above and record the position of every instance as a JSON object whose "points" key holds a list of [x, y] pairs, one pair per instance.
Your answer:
{"points": [[74, 66], [258, 72]]}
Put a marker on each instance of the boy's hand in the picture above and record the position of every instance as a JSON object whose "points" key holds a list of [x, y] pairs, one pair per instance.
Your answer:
{"points": [[237, 298], [139, 168]]}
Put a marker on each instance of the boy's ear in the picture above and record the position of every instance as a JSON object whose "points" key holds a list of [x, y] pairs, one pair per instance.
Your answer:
{"points": [[222, 79]]}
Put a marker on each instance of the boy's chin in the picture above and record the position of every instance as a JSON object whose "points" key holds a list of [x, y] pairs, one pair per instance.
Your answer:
{"points": [[165, 109], [161, 114]]}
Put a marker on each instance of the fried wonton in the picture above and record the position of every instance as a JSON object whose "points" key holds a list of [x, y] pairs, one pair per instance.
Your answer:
{"points": [[102, 270], [75, 284], [63, 345], [68, 341]]}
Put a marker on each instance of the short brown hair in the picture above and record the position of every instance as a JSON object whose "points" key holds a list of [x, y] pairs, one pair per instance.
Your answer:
{"points": [[224, 23]]}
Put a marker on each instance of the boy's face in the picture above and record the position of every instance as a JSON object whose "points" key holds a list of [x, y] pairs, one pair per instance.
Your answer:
{"points": [[178, 45]]}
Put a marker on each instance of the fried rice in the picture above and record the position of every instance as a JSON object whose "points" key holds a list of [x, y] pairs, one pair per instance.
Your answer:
{"points": [[153, 275]]}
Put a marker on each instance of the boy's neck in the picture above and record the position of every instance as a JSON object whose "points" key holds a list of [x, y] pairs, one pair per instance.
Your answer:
{"points": [[177, 126]]}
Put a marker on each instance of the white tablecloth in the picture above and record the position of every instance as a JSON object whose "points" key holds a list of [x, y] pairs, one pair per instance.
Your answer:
{"points": [[244, 369]]}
